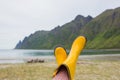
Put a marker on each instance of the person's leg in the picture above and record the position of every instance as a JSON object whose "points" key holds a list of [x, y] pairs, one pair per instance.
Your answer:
{"points": [[62, 74], [70, 62]]}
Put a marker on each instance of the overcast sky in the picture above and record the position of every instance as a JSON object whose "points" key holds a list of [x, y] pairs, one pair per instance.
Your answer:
{"points": [[20, 18]]}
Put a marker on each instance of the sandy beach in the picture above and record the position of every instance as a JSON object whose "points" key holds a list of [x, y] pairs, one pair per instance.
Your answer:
{"points": [[85, 70]]}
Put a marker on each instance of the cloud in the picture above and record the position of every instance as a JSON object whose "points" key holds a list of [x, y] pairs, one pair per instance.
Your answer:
{"points": [[20, 18]]}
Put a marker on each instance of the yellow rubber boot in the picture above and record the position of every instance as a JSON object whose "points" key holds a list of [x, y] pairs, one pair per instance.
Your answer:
{"points": [[60, 55], [70, 62], [76, 49]]}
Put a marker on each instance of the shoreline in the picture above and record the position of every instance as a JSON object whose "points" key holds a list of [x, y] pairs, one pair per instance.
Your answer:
{"points": [[111, 57]]}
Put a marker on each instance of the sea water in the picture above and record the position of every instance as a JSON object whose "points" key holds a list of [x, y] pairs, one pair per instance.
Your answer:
{"points": [[21, 55]]}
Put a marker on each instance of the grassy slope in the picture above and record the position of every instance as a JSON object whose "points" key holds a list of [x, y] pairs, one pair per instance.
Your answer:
{"points": [[103, 31]]}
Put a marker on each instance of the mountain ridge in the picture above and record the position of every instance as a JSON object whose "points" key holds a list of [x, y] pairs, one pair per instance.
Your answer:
{"points": [[101, 32]]}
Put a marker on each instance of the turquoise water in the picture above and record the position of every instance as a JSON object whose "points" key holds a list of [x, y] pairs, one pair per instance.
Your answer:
{"points": [[20, 56]]}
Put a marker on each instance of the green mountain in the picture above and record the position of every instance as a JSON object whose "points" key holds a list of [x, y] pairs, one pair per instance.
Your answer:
{"points": [[101, 32], [60, 35], [104, 30]]}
